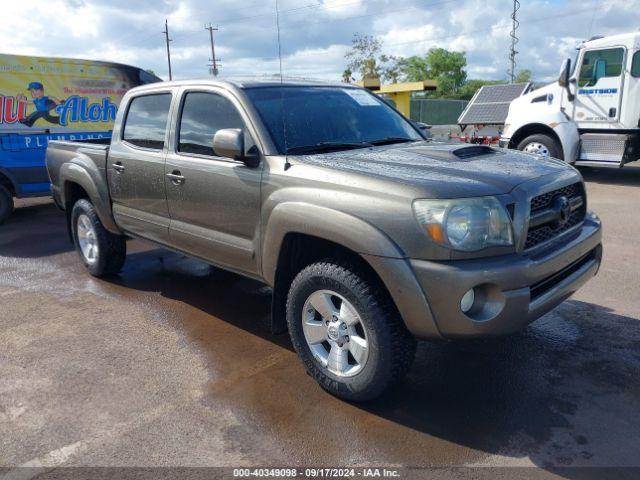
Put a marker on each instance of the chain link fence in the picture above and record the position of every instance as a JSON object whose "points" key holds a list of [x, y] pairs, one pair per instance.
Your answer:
{"points": [[437, 111]]}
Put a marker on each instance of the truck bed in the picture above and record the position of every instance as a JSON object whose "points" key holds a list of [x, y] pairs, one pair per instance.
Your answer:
{"points": [[90, 155]]}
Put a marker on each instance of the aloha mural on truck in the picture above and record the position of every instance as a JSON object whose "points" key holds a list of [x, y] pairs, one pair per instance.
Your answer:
{"points": [[44, 98]]}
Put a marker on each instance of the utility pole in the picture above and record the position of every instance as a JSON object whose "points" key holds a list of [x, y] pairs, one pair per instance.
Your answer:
{"points": [[166, 36], [514, 41], [213, 67]]}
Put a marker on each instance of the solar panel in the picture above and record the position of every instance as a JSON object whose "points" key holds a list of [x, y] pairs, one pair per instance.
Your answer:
{"points": [[490, 104]]}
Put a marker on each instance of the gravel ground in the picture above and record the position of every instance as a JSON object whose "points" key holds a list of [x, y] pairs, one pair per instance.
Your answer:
{"points": [[170, 364]]}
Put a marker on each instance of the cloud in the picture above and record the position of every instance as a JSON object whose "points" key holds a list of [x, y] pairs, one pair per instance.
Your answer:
{"points": [[315, 34]]}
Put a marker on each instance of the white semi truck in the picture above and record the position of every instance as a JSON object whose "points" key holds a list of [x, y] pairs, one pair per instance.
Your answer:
{"points": [[591, 115]]}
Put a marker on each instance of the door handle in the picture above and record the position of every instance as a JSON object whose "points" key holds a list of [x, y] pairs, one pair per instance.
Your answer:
{"points": [[176, 177], [118, 167]]}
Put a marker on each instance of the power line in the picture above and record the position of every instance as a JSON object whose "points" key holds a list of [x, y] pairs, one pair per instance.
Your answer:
{"points": [[435, 40], [304, 9], [301, 9]]}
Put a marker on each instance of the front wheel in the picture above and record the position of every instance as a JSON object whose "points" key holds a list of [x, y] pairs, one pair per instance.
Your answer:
{"points": [[541, 144], [347, 331], [102, 252]]}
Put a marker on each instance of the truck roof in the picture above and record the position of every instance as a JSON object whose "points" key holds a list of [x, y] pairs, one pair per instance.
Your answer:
{"points": [[249, 82], [629, 40]]}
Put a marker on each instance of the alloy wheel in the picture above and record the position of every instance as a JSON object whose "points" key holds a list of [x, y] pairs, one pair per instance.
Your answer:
{"points": [[334, 333], [87, 239]]}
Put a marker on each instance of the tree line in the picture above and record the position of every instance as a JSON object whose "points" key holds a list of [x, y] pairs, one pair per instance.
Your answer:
{"points": [[367, 60]]}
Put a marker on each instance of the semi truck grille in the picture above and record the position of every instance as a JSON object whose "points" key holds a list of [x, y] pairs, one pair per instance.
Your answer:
{"points": [[554, 213]]}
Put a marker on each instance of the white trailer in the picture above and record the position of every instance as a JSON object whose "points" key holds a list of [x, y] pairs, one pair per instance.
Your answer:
{"points": [[591, 115]]}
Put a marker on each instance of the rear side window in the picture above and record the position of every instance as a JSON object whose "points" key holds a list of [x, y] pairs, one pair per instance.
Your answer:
{"points": [[597, 64], [635, 64], [203, 114], [146, 122]]}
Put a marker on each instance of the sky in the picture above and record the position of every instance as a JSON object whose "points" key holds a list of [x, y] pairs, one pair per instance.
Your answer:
{"points": [[315, 34]]}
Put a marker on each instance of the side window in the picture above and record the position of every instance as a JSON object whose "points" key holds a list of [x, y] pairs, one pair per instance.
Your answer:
{"points": [[146, 122], [203, 114], [597, 64], [635, 64]]}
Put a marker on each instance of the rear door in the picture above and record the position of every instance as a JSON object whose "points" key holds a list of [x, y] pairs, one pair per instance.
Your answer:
{"points": [[136, 167], [599, 93], [214, 202]]}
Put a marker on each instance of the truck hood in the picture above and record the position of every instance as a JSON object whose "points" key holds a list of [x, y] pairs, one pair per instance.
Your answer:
{"points": [[443, 170]]}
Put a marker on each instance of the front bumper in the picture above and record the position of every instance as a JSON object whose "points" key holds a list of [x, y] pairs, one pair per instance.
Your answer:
{"points": [[512, 290]]}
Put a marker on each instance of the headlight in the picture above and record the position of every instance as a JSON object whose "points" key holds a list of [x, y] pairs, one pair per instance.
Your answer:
{"points": [[466, 224]]}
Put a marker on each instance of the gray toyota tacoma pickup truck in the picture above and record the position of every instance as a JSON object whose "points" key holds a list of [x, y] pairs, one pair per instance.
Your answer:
{"points": [[369, 236]]}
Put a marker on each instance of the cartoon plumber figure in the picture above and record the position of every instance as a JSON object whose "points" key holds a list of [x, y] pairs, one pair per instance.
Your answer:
{"points": [[43, 104]]}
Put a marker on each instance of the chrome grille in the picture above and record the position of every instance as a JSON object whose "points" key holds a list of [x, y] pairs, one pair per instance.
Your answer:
{"points": [[543, 204]]}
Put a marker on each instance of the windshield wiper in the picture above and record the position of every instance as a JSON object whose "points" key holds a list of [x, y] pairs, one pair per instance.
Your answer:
{"points": [[390, 140], [326, 147]]}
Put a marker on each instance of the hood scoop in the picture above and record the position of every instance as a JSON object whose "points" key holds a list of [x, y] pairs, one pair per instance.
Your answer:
{"points": [[468, 152]]}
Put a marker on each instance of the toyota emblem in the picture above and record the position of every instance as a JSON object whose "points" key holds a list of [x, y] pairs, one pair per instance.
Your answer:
{"points": [[562, 206]]}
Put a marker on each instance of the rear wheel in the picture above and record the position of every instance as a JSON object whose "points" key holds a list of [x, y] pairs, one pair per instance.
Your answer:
{"points": [[102, 252], [6, 203], [347, 331], [540, 144]]}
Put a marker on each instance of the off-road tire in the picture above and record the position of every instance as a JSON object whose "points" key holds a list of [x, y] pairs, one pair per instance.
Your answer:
{"points": [[391, 346], [549, 143], [112, 249], [6, 204]]}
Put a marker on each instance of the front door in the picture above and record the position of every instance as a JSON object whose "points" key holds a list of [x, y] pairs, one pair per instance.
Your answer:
{"points": [[214, 202], [599, 90], [136, 170]]}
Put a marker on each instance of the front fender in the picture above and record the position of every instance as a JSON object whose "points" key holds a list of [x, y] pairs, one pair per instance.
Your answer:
{"points": [[570, 139], [338, 227], [373, 245], [93, 183]]}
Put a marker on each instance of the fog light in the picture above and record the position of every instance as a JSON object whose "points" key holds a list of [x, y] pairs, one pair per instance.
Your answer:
{"points": [[467, 300]]}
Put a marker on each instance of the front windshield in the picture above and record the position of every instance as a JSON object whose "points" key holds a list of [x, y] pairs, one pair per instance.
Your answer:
{"points": [[340, 117]]}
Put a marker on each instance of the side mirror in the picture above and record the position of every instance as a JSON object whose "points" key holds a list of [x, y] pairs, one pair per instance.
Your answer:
{"points": [[229, 143], [564, 77]]}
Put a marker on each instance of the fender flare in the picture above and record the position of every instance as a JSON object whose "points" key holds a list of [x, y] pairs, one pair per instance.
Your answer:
{"points": [[321, 222], [77, 172], [373, 245]]}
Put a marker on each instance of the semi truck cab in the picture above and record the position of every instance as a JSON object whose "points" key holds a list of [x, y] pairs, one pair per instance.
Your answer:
{"points": [[591, 115]]}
